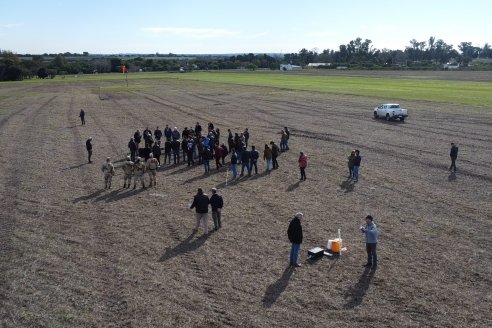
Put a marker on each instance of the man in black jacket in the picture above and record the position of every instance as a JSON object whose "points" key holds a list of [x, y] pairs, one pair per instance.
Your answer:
{"points": [[133, 149], [295, 237], [217, 203], [454, 155], [200, 203], [357, 160], [157, 134], [88, 146], [254, 159]]}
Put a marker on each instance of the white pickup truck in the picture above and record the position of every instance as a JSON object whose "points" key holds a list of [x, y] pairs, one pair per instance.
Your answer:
{"points": [[390, 112]]}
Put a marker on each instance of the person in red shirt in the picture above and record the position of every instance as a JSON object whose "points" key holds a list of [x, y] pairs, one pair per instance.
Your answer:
{"points": [[302, 165]]}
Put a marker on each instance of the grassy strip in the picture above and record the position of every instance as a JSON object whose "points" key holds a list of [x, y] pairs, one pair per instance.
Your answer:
{"points": [[389, 89]]}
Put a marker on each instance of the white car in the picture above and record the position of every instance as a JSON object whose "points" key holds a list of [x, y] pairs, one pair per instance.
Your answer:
{"points": [[390, 112]]}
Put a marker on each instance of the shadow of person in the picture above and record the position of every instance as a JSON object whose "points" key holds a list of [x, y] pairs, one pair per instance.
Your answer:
{"points": [[347, 185], [452, 176], [356, 293], [88, 197], [184, 247], [294, 186], [274, 290]]}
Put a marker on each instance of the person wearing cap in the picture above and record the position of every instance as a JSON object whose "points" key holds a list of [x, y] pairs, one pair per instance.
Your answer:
{"points": [[294, 232], [200, 204], [138, 171], [371, 234], [88, 146], [151, 167], [108, 170], [216, 202], [303, 162], [128, 168]]}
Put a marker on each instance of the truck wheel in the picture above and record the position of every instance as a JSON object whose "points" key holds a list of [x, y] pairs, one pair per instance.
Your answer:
{"points": [[387, 117], [402, 119], [376, 115]]}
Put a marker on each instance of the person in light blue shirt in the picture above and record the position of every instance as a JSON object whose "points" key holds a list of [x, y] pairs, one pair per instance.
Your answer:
{"points": [[371, 233]]}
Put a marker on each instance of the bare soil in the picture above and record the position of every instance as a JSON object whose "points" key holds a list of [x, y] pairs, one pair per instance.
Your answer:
{"points": [[75, 255]]}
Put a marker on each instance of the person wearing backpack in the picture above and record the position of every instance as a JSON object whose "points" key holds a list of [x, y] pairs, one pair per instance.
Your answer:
{"points": [[216, 202]]}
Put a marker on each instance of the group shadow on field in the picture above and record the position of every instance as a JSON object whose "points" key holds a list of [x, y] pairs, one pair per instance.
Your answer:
{"points": [[186, 246], [355, 294]]}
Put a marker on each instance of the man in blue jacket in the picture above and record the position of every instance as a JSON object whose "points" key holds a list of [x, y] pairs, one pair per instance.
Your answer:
{"points": [[371, 233]]}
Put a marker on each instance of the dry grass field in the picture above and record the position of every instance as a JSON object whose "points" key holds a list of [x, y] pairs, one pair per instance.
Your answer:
{"points": [[75, 255]]}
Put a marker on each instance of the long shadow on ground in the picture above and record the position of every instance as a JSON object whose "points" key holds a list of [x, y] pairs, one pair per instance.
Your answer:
{"points": [[356, 294], [184, 247], [274, 290], [347, 185]]}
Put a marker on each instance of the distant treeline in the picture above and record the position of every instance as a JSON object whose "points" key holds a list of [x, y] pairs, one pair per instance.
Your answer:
{"points": [[431, 55]]}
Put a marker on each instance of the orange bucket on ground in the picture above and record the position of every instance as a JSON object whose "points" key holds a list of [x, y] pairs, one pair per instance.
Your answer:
{"points": [[336, 245]]}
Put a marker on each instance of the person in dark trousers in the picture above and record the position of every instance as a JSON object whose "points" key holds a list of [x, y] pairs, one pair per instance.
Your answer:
{"points": [[82, 116], [217, 155], [371, 234], [190, 145], [198, 130], [224, 152], [245, 162], [167, 151], [137, 137], [233, 163], [168, 132], [206, 157], [275, 152], [157, 134], [175, 146], [454, 155], [156, 151], [357, 160], [287, 132], [294, 232], [230, 140], [216, 202], [303, 161], [254, 159], [200, 204], [350, 163], [246, 137], [133, 149], [88, 146]]}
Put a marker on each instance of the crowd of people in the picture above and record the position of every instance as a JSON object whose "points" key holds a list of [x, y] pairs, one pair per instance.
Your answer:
{"points": [[196, 146]]}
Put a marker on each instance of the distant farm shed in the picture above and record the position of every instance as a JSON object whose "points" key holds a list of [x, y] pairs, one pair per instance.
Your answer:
{"points": [[451, 66], [290, 67], [314, 65]]}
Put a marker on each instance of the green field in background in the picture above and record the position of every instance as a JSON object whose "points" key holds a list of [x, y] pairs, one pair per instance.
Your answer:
{"points": [[392, 89]]}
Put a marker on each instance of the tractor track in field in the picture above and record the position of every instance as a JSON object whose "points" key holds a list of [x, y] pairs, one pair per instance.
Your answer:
{"points": [[10, 200], [113, 296]]}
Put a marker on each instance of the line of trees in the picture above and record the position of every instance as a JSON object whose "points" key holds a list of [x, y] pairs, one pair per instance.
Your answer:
{"points": [[358, 53]]}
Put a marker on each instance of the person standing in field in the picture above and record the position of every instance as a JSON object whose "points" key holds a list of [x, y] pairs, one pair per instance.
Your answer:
{"points": [[267, 156], [151, 167], [156, 150], [133, 149], [357, 160], [371, 234], [216, 202], [350, 163], [167, 151], [157, 134], [200, 204], [303, 161], [108, 170], [234, 163], [454, 155], [82, 116], [128, 172], [294, 232], [275, 153], [287, 132], [138, 171], [254, 155], [88, 146], [168, 133]]}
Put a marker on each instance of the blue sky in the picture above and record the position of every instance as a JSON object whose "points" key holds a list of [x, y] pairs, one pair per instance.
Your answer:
{"points": [[195, 27]]}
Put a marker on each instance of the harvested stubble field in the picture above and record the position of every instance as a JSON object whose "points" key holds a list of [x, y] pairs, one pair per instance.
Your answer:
{"points": [[75, 255]]}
